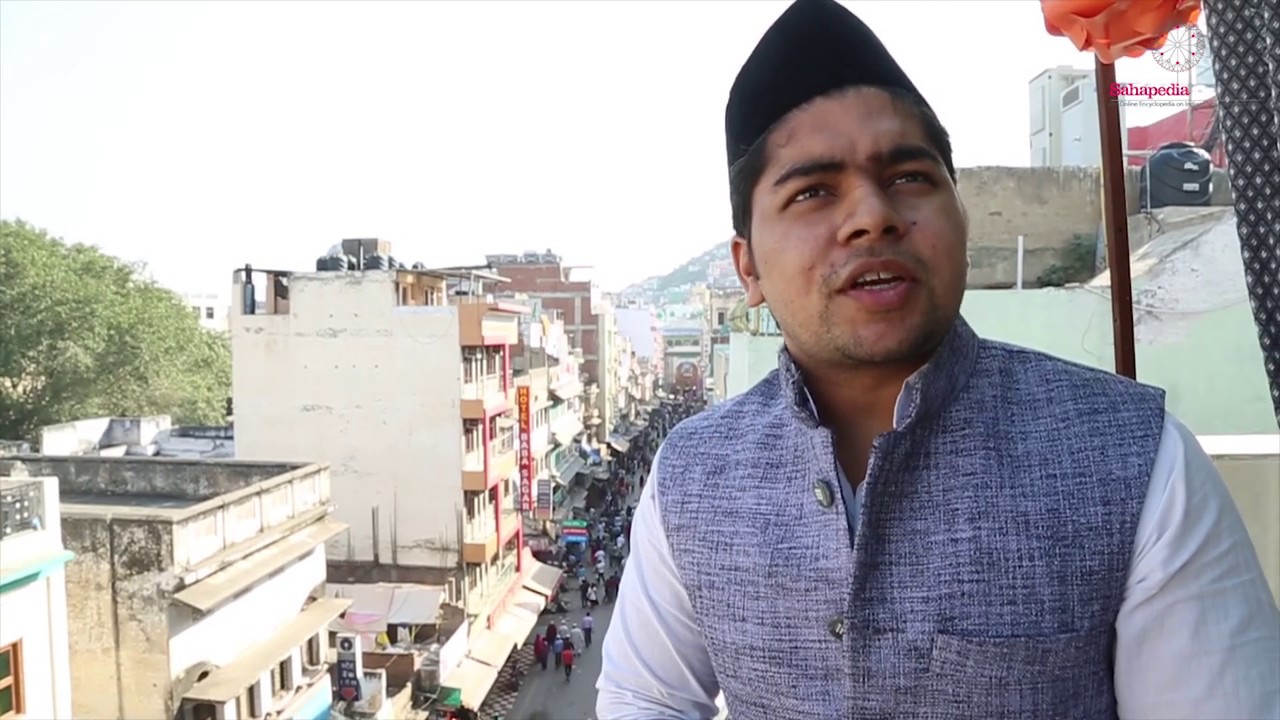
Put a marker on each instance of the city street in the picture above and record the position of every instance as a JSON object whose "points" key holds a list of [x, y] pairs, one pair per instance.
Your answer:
{"points": [[546, 695]]}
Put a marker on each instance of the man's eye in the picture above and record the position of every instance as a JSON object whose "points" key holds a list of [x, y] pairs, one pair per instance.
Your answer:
{"points": [[808, 194], [911, 177]]}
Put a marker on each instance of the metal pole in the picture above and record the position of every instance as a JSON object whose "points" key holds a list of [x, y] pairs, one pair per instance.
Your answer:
{"points": [[1115, 220]]}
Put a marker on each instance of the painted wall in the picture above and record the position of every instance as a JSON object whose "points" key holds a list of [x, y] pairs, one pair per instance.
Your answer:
{"points": [[36, 614], [1209, 363], [371, 388]]}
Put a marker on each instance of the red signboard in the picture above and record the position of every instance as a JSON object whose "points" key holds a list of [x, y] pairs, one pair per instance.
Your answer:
{"points": [[526, 454]]}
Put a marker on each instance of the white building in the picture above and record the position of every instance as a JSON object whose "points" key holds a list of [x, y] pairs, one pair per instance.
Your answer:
{"points": [[640, 326], [1064, 119], [408, 393], [35, 665], [198, 587], [211, 309]]}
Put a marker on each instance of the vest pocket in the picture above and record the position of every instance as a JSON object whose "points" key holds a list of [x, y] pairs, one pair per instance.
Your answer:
{"points": [[1057, 676]]}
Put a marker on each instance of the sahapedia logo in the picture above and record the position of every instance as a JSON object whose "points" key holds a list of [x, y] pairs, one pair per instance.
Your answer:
{"points": [[1150, 91], [1184, 47]]}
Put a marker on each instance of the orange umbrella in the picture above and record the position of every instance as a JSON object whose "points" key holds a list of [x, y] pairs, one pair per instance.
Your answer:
{"points": [[1113, 29]]}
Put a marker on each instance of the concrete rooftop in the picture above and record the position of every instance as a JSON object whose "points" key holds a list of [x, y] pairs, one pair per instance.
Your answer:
{"points": [[149, 484]]}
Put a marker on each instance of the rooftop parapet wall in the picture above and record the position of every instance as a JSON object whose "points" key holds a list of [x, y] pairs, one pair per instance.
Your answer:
{"points": [[179, 479]]}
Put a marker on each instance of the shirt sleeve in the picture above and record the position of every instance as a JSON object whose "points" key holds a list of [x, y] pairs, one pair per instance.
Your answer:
{"points": [[1198, 633], [655, 664]]}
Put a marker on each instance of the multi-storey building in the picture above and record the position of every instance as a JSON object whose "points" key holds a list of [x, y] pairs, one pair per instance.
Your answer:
{"points": [[35, 665], [402, 381], [197, 591]]}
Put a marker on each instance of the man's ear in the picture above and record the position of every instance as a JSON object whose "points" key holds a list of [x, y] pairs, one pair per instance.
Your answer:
{"points": [[744, 262]]}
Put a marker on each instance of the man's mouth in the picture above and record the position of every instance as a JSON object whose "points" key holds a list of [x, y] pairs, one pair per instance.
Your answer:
{"points": [[876, 280]]}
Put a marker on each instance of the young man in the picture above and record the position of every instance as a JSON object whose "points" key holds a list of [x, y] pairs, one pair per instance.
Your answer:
{"points": [[904, 520]]}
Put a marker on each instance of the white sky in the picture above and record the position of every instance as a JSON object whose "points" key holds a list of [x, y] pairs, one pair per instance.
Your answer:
{"points": [[198, 136]]}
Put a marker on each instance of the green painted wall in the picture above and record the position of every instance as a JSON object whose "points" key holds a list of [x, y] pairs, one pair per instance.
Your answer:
{"points": [[1209, 363]]}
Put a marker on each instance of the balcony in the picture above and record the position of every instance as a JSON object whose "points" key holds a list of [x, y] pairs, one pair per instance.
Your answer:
{"points": [[484, 321], [21, 507], [485, 594], [480, 537], [502, 463], [510, 524], [485, 398]]}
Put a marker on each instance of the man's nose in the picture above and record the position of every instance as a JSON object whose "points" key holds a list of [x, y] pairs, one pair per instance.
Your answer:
{"points": [[869, 215]]}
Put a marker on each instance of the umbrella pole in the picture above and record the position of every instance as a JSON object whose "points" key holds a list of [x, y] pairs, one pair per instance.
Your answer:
{"points": [[1115, 220]]}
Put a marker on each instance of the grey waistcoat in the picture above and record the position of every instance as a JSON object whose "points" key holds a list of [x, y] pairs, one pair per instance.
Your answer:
{"points": [[988, 567]]}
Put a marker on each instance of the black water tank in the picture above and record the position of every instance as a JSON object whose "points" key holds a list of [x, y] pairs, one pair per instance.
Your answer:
{"points": [[1177, 174], [324, 263], [375, 262]]}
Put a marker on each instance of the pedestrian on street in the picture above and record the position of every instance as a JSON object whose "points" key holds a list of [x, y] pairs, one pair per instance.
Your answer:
{"points": [[566, 659], [592, 598], [540, 650], [588, 624], [889, 417], [578, 639], [557, 649], [583, 590], [551, 631]]}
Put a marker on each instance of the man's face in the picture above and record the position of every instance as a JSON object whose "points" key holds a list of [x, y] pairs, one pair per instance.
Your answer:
{"points": [[858, 237]]}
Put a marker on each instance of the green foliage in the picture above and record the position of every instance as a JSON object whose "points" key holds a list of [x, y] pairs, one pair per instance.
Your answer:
{"points": [[83, 334], [1075, 263]]}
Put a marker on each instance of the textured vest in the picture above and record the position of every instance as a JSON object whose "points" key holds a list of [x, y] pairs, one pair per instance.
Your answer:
{"points": [[987, 570]]}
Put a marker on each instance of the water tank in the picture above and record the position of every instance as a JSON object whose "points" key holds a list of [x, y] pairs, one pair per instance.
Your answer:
{"points": [[324, 263], [376, 262], [1177, 174]]}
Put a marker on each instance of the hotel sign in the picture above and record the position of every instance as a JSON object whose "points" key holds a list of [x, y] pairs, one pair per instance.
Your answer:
{"points": [[526, 453]]}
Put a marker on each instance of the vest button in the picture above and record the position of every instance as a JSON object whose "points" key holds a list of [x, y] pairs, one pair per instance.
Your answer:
{"points": [[836, 628], [822, 492]]}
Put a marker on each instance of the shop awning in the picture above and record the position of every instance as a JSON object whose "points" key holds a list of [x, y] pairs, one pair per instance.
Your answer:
{"points": [[470, 683], [489, 647], [521, 617], [567, 390], [542, 578], [571, 468], [618, 443], [230, 681], [373, 607]]}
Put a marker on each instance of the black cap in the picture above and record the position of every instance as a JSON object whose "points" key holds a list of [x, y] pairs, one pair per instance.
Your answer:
{"points": [[815, 47]]}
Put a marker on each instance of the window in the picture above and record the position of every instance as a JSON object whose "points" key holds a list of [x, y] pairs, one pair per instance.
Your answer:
{"points": [[720, 317], [1071, 96], [312, 655], [11, 680], [204, 711], [208, 313]]}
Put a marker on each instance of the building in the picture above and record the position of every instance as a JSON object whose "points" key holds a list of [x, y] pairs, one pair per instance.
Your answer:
{"points": [[402, 381], [1064, 119], [554, 417], [197, 591], [641, 327], [682, 352], [153, 436], [561, 288], [210, 309], [35, 665]]}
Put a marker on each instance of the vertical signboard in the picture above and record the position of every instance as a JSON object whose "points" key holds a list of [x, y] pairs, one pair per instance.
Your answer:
{"points": [[349, 668], [544, 504], [526, 454]]}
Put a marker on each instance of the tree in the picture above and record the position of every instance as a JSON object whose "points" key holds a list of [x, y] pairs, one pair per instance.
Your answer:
{"points": [[84, 334]]}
